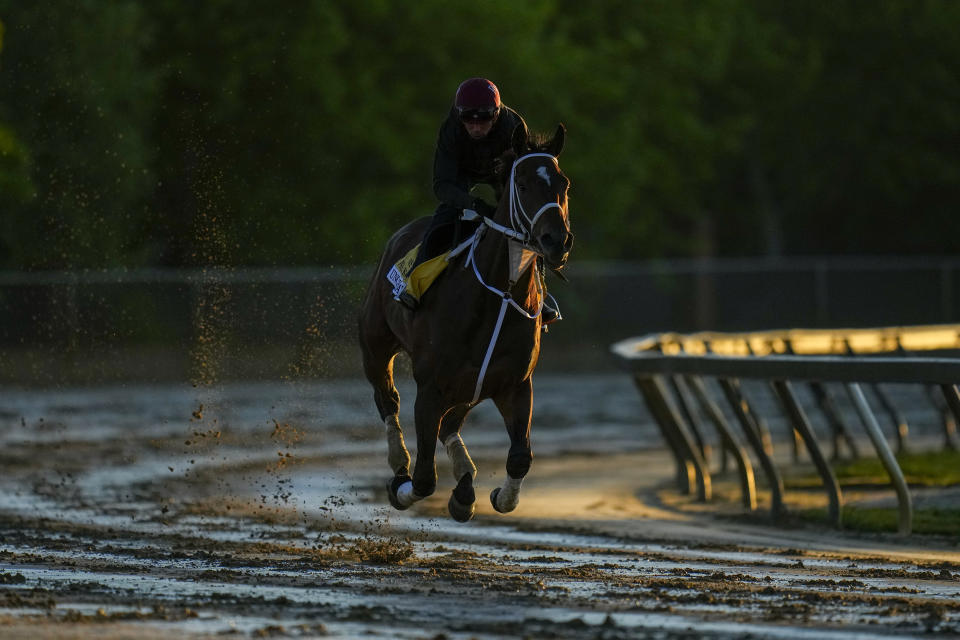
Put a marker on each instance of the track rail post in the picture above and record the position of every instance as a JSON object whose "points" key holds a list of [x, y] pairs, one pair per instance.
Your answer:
{"points": [[886, 457], [655, 392], [685, 474], [900, 426], [742, 410], [838, 428], [952, 396], [685, 402], [801, 425], [748, 488]]}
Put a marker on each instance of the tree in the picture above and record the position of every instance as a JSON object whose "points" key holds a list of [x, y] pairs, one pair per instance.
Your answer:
{"points": [[78, 107], [859, 151], [238, 133]]}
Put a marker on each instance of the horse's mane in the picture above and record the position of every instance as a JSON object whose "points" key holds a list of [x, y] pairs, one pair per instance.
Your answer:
{"points": [[536, 143]]}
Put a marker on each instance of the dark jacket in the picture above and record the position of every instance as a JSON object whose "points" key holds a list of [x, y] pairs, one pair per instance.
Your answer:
{"points": [[461, 162]]}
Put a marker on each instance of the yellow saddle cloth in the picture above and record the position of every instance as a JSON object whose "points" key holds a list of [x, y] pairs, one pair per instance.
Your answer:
{"points": [[417, 281]]}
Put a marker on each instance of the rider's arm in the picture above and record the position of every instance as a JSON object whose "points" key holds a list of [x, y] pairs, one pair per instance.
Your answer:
{"points": [[448, 185]]}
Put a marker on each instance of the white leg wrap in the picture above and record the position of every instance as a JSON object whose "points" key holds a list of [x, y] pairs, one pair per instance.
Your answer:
{"points": [[457, 452], [509, 494], [397, 455], [405, 494]]}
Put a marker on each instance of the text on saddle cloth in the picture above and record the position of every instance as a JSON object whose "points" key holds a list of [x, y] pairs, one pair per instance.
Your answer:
{"points": [[420, 278]]}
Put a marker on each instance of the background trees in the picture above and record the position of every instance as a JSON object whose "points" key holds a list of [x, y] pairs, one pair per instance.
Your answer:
{"points": [[225, 132]]}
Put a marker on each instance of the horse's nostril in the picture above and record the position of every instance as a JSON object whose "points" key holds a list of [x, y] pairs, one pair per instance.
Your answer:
{"points": [[556, 244], [549, 242]]}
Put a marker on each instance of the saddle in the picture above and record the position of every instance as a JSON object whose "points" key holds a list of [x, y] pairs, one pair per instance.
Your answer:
{"points": [[413, 274], [415, 281], [411, 280]]}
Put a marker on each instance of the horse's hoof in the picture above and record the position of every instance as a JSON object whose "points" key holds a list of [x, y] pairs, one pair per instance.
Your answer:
{"points": [[460, 512], [493, 500], [393, 484], [462, 500]]}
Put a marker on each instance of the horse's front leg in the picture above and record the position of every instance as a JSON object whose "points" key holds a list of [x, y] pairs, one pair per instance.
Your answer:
{"points": [[461, 503], [403, 490], [516, 407]]}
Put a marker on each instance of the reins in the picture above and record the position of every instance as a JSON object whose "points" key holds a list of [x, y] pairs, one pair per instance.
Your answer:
{"points": [[518, 216]]}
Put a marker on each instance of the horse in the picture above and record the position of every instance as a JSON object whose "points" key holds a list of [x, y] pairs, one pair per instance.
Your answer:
{"points": [[476, 334]]}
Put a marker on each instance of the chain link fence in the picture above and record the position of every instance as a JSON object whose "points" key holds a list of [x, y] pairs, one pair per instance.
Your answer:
{"points": [[204, 324]]}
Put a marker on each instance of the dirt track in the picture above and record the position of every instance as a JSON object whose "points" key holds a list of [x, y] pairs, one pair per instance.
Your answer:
{"points": [[259, 510]]}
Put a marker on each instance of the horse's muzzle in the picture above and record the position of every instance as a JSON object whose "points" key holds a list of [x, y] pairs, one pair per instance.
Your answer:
{"points": [[555, 249]]}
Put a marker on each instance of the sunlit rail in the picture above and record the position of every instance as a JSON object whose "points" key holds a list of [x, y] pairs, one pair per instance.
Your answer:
{"points": [[669, 371]]}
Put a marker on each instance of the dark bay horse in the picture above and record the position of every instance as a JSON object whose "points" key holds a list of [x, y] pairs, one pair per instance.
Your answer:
{"points": [[476, 334]]}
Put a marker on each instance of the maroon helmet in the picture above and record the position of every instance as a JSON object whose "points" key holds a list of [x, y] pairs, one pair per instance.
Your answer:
{"points": [[477, 99]]}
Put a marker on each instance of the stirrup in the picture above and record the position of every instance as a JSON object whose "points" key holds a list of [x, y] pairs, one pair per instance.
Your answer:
{"points": [[548, 316]]}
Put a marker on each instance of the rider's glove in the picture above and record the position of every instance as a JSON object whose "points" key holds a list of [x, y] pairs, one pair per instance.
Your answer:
{"points": [[485, 192], [483, 208]]}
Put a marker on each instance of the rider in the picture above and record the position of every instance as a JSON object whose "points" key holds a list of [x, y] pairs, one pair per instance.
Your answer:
{"points": [[477, 131]]}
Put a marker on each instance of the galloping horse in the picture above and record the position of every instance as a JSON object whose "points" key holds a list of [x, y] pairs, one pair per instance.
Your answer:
{"points": [[476, 334]]}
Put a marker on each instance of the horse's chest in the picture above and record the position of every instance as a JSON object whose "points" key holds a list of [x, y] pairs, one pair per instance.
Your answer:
{"points": [[461, 348], [514, 350]]}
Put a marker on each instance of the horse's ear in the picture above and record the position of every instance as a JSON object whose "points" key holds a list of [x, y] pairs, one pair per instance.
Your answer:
{"points": [[555, 146], [520, 138]]}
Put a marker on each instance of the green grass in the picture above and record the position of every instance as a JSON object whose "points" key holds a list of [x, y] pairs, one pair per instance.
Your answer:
{"points": [[930, 469], [942, 522]]}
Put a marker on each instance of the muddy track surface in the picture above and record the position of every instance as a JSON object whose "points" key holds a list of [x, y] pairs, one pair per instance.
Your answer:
{"points": [[254, 512]]}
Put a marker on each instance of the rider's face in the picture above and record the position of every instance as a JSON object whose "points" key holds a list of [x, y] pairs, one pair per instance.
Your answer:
{"points": [[478, 129]]}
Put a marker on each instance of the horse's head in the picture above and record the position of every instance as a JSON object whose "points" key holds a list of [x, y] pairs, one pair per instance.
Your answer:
{"points": [[538, 198]]}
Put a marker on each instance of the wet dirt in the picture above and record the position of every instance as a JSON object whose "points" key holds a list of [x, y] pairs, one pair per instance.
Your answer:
{"points": [[258, 510]]}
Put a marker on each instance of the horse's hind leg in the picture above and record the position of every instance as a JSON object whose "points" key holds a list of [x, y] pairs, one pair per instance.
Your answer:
{"points": [[516, 407], [463, 498]]}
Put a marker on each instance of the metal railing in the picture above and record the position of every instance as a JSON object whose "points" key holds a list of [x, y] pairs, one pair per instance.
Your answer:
{"points": [[670, 369]]}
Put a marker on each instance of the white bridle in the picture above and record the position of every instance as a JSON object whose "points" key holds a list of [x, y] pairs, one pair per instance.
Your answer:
{"points": [[518, 215]]}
